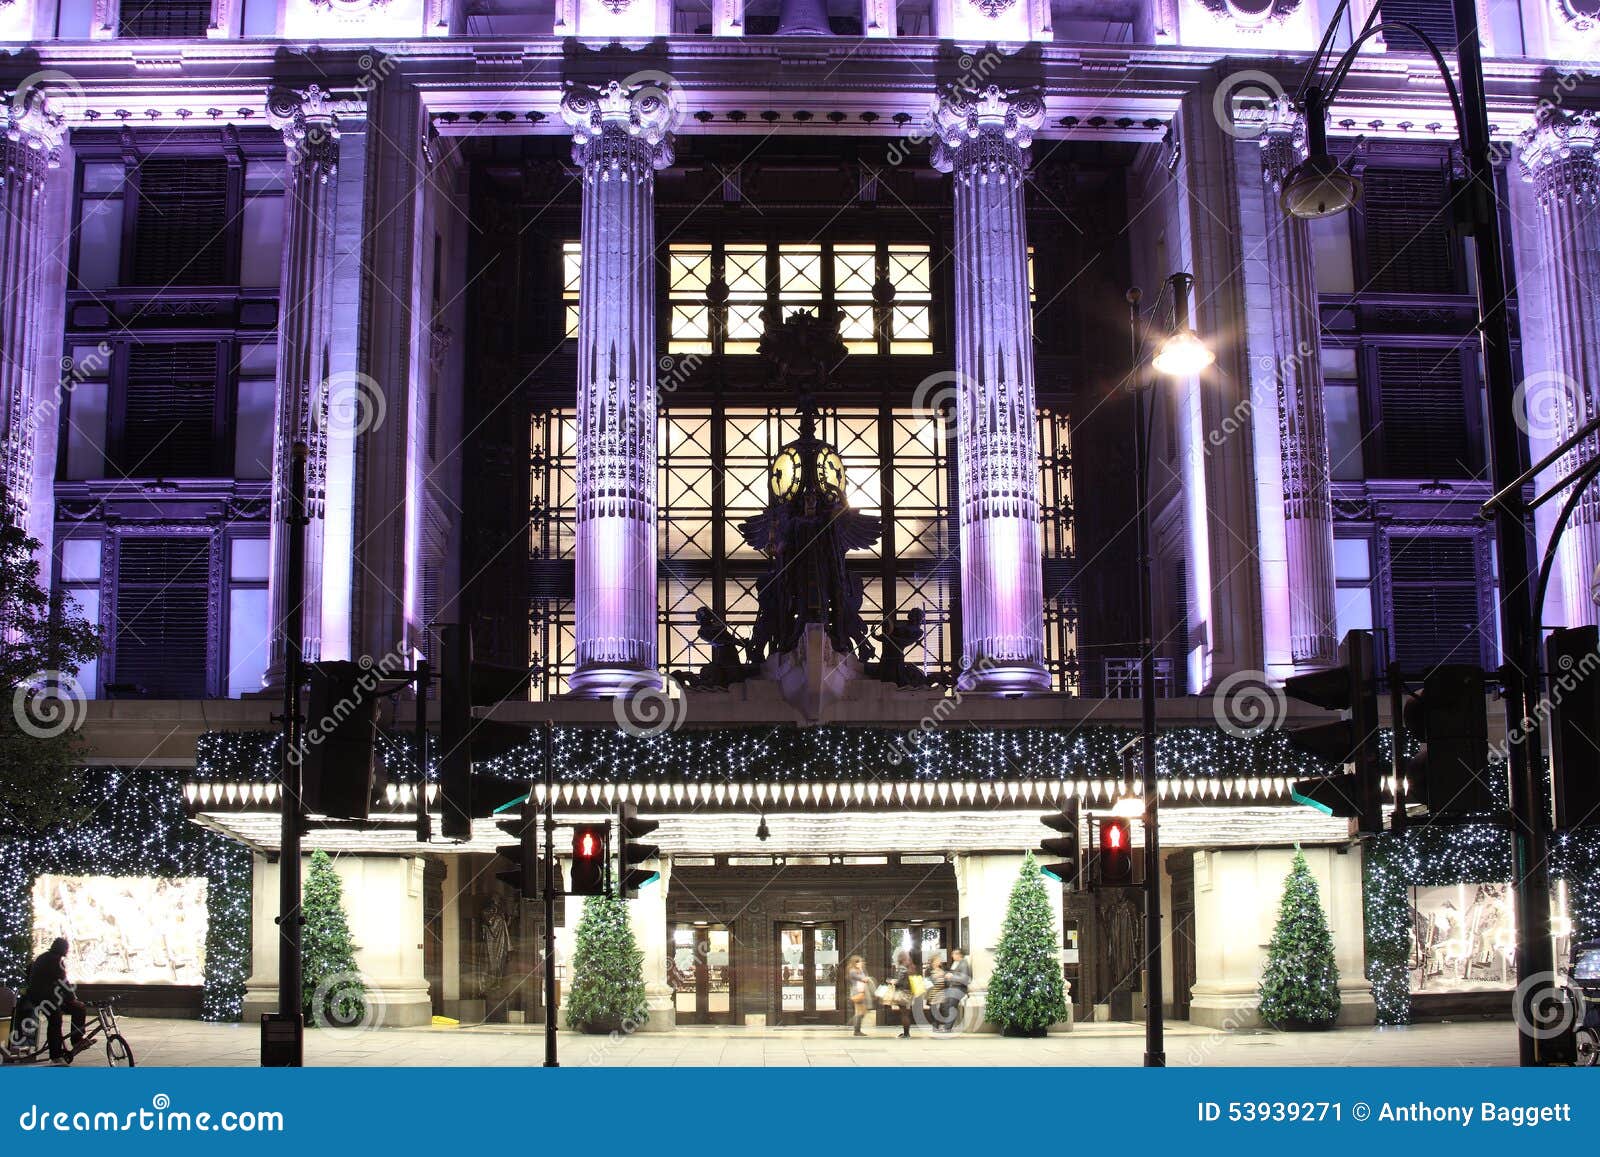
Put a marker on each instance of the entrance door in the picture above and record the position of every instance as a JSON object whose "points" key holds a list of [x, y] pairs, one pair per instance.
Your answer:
{"points": [[700, 971], [808, 974]]}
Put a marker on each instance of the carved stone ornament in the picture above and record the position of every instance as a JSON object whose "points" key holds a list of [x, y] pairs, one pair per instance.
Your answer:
{"points": [[993, 8], [611, 123], [1580, 15], [988, 128], [616, 7], [33, 135], [350, 8], [1248, 14], [309, 121], [1559, 153]]}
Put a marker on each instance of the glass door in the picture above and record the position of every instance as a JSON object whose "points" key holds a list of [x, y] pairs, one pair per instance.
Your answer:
{"points": [[808, 974], [700, 972]]}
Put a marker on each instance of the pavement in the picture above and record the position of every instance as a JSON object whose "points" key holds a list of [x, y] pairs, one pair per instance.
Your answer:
{"points": [[190, 1043]]}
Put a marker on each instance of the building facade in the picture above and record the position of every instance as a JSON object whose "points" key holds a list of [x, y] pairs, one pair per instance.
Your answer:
{"points": [[506, 267]]}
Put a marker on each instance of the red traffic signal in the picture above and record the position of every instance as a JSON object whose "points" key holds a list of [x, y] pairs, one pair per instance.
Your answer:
{"points": [[1115, 862], [588, 860]]}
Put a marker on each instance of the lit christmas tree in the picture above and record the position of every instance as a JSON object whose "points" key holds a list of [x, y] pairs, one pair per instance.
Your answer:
{"points": [[1026, 992], [607, 978], [1300, 987], [332, 991]]}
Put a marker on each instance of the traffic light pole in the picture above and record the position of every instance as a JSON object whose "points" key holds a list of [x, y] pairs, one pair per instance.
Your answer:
{"points": [[547, 752], [1155, 1054], [290, 917], [1529, 818]]}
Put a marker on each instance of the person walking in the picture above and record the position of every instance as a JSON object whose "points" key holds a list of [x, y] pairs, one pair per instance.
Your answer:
{"points": [[859, 985], [51, 995], [957, 979], [900, 981]]}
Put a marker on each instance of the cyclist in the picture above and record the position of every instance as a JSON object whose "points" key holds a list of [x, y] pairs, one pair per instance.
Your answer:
{"points": [[50, 994]]}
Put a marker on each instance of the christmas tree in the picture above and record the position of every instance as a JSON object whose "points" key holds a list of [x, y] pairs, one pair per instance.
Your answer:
{"points": [[1026, 993], [1300, 987], [333, 994], [607, 981]]}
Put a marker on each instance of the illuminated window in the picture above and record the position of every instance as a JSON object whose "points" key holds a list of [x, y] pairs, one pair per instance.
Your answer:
{"points": [[571, 277], [1057, 543], [721, 295]]}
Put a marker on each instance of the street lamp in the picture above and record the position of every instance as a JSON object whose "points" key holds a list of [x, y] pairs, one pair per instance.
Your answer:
{"points": [[1319, 188], [1181, 354]]}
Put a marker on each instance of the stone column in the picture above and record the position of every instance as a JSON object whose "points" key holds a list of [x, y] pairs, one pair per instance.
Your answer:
{"points": [[620, 138], [647, 914], [311, 134], [1302, 421], [983, 139], [30, 147], [1559, 159]]}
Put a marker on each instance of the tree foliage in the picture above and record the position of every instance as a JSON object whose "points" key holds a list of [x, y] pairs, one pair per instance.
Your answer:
{"points": [[1300, 987], [43, 643], [607, 974], [332, 993], [1026, 992]]}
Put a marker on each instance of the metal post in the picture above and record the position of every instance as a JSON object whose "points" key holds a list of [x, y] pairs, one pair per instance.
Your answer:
{"points": [[290, 917], [1529, 815], [424, 676], [1397, 756], [548, 760], [1155, 1055]]}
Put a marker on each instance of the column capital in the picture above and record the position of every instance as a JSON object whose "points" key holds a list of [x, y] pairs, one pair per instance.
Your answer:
{"points": [[34, 132], [1558, 154], [986, 127], [309, 120], [622, 119]]}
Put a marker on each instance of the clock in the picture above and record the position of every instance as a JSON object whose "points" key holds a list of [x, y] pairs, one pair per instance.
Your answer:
{"points": [[830, 471], [786, 474]]}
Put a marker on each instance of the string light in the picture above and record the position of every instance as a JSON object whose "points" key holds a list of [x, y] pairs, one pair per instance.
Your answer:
{"points": [[135, 825]]}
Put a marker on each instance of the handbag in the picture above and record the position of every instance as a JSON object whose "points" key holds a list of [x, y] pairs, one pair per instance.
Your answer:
{"points": [[885, 992], [919, 984]]}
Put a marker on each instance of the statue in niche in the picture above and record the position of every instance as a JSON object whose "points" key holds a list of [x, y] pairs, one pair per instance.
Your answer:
{"points": [[496, 933], [900, 636], [808, 527]]}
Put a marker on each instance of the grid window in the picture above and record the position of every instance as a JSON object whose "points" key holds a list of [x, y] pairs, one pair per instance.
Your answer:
{"points": [[571, 279]]}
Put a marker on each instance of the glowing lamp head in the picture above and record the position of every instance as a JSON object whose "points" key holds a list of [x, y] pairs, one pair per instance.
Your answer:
{"points": [[1182, 355], [1318, 187]]}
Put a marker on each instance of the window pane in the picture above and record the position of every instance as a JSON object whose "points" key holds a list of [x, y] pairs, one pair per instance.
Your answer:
{"points": [[104, 176], [80, 560], [1354, 612], [1330, 238], [259, 360], [1343, 406], [87, 602], [1338, 363], [252, 444], [249, 559], [247, 640], [261, 242], [86, 431], [100, 244], [1352, 559], [263, 176]]}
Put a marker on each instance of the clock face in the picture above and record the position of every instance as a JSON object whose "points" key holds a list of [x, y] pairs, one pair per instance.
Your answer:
{"points": [[786, 473], [830, 470]]}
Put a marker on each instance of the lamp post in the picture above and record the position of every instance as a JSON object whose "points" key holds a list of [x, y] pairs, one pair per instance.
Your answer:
{"points": [[1181, 354], [1318, 188]]}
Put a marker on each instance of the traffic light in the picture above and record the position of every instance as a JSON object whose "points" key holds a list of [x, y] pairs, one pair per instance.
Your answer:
{"points": [[1114, 864], [630, 828], [588, 860], [1350, 687], [1065, 846], [1574, 726], [465, 739], [523, 875], [1451, 720], [338, 761]]}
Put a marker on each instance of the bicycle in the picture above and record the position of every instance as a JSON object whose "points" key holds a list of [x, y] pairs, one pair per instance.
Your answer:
{"points": [[119, 1054]]}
